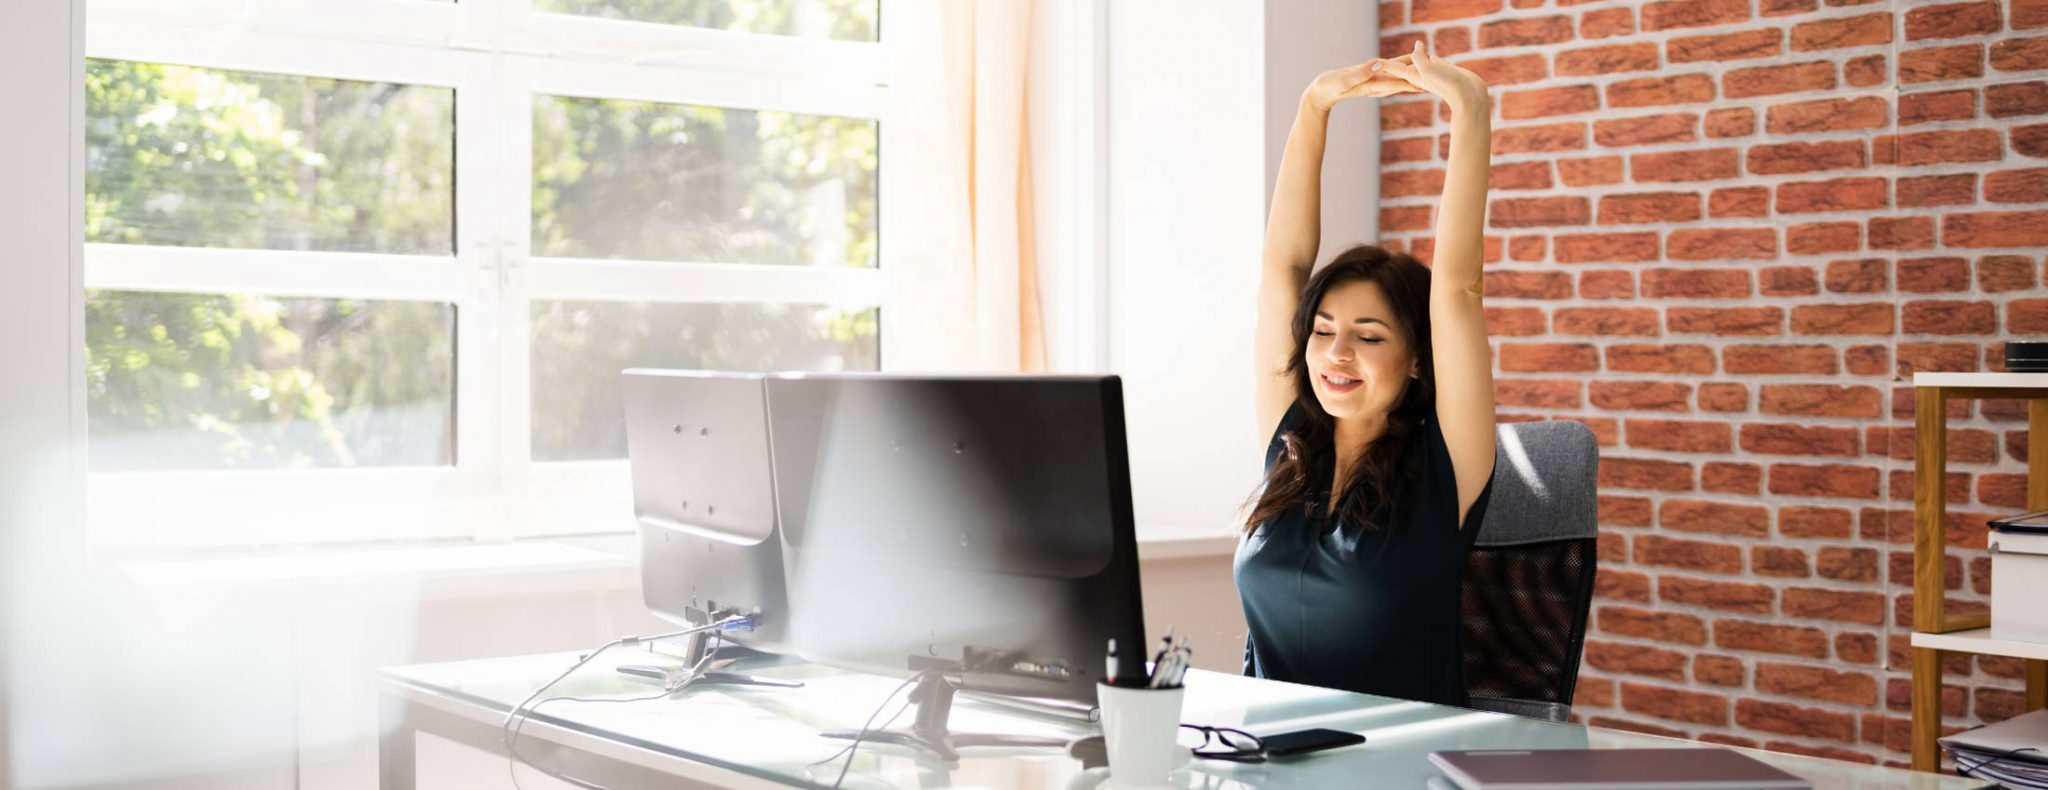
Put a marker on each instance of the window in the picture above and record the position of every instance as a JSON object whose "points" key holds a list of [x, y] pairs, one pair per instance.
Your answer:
{"points": [[647, 181], [852, 20], [369, 271]]}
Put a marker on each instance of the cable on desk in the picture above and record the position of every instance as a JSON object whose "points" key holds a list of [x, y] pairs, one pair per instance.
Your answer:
{"points": [[515, 719], [870, 726], [886, 724]]}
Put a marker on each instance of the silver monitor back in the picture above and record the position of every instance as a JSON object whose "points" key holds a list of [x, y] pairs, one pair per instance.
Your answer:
{"points": [[703, 496], [979, 522]]}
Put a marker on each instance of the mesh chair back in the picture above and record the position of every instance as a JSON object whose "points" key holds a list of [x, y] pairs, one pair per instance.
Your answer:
{"points": [[1529, 578]]}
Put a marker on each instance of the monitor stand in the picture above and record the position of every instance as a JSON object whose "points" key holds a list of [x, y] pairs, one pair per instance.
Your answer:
{"points": [[933, 697], [695, 647]]}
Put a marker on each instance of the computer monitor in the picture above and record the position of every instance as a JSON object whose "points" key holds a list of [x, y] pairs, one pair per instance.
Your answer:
{"points": [[980, 526], [976, 526], [703, 497]]}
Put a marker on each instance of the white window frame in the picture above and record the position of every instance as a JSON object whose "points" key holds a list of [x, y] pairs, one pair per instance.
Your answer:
{"points": [[497, 55]]}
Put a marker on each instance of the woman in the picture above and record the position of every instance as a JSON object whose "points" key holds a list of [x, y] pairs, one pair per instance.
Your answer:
{"points": [[1375, 380]]}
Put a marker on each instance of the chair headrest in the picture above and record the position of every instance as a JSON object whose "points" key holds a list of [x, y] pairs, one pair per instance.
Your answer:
{"points": [[1545, 484]]}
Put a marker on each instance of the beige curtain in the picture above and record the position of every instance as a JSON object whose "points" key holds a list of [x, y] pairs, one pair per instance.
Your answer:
{"points": [[963, 276]]}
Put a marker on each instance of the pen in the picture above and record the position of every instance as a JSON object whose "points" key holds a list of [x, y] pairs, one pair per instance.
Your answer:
{"points": [[1159, 659], [1162, 673], [1110, 677], [1172, 670]]}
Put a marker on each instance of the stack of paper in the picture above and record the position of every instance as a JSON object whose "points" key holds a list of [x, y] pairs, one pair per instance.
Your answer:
{"points": [[2013, 752]]}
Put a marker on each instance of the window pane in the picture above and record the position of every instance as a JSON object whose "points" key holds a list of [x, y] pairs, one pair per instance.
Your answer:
{"points": [[670, 182], [850, 20], [197, 157], [187, 381], [580, 347]]}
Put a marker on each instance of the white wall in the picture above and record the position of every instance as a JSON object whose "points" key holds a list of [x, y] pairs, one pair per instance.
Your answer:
{"points": [[1199, 108], [1186, 198], [42, 49], [1304, 39]]}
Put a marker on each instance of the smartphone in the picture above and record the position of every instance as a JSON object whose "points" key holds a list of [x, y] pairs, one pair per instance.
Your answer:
{"points": [[1304, 741]]}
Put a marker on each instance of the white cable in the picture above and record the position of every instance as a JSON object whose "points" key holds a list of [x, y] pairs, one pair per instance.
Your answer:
{"points": [[870, 726], [509, 733]]}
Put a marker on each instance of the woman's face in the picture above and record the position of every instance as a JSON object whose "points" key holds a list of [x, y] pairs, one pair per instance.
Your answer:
{"points": [[1358, 359]]}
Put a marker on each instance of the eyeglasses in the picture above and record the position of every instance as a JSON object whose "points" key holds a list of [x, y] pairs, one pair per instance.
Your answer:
{"points": [[1225, 743]]}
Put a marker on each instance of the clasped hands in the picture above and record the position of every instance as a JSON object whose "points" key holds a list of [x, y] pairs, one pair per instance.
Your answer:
{"points": [[1416, 72]]}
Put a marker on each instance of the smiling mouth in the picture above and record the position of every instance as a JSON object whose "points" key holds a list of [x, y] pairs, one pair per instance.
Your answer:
{"points": [[1339, 384]]}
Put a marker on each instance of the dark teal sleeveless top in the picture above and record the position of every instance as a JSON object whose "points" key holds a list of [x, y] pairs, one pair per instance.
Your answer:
{"points": [[1368, 610]]}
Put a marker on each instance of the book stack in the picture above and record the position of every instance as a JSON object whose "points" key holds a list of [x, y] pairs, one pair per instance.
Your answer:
{"points": [[2019, 561]]}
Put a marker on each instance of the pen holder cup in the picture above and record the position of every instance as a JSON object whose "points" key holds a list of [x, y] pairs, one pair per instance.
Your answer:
{"points": [[1139, 728]]}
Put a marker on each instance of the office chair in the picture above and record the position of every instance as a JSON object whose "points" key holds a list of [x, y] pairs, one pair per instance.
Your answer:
{"points": [[1529, 577]]}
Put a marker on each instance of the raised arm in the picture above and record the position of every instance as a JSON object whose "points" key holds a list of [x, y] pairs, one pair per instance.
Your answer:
{"points": [[1294, 228], [1464, 368]]}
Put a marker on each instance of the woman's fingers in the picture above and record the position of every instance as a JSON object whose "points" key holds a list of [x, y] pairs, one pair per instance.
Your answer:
{"points": [[1377, 65], [1380, 77], [1387, 86], [1403, 71]]}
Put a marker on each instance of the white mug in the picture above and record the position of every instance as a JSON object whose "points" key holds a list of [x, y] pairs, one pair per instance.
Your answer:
{"points": [[1139, 729]]}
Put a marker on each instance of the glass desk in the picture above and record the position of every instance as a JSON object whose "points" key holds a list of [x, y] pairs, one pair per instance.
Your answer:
{"points": [[734, 736]]}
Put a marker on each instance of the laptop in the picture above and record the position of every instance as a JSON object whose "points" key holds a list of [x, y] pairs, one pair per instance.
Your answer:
{"points": [[2035, 523], [2023, 738], [1652, 769]]}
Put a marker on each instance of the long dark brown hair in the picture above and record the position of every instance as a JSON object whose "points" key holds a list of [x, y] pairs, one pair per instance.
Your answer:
{"points": [[1308, 456]]}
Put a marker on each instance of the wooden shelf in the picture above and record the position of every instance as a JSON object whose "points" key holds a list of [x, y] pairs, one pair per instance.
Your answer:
{"points": [[1935, 632], [1979, 641], [1982, 380]]}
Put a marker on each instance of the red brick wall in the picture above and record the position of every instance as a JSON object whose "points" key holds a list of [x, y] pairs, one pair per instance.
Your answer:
{"points": [[1724, 233]]}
